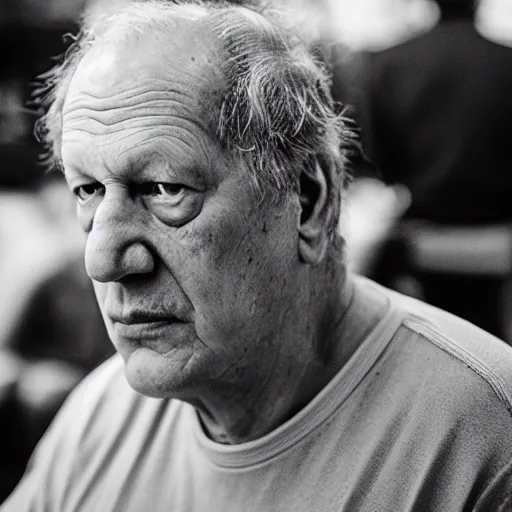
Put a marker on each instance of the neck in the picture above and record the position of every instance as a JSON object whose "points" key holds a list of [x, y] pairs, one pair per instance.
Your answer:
{"points": [[305, 359]]}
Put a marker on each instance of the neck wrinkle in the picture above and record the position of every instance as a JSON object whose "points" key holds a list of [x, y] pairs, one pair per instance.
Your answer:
{"points": [[332, 323], [297, 375]]}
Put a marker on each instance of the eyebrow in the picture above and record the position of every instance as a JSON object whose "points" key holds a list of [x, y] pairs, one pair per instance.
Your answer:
{"points": [[144, 166]]}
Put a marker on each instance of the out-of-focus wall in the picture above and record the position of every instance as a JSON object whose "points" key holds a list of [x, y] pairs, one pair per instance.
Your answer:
{"points": [[495, 20], [374, 24]]}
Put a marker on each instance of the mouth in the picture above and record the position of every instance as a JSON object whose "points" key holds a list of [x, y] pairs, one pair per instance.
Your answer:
{"points": [[139, 325], [137, 317]]}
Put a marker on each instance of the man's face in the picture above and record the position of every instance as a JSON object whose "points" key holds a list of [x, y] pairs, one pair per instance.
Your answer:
{"points": [[193, 276]]}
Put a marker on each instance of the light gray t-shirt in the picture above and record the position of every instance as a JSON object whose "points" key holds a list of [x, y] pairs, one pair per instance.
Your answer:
{"points": [[419, 419]]}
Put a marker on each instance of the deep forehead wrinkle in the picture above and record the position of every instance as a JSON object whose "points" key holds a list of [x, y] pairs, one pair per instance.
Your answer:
{"points": [[154, 86], [139, 104], [125, 110]]}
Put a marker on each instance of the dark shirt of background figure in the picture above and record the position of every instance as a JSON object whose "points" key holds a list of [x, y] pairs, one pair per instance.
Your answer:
{"points": [[435, 112]]}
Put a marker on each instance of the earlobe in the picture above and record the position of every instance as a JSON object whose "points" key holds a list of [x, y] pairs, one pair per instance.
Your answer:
{"points": [[314, 201]]}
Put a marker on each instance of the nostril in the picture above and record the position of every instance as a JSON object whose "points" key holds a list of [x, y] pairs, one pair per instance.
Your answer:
{"points": [[139, 259], [110, 258]]}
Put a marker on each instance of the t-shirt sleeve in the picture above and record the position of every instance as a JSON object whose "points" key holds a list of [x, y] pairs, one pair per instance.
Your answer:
{"points": [[53, 469]]}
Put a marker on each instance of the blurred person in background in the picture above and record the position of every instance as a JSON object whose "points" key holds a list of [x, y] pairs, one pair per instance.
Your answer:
{"points": [[28, 251], [51, 332], [254, 372], [436, 111]]}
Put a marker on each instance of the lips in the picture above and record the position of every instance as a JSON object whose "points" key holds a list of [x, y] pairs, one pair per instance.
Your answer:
{"points": [[143, 325], [142, 317]]}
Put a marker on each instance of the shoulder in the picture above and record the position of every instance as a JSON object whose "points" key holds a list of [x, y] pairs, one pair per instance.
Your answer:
{"points": [[103, 388], [96, 406], [446, 386], [99, 409], [100, 415], [464, 359]]}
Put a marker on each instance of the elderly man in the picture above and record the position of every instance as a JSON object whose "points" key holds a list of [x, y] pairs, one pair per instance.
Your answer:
{"points": [[253, 372]]}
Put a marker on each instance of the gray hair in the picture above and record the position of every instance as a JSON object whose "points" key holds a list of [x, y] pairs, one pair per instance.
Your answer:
{"points": [[278, 115]]}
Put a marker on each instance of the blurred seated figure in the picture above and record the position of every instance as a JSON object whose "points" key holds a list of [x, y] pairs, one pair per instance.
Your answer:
{"points": [[51, 333], [435, 112], [61, 338]]}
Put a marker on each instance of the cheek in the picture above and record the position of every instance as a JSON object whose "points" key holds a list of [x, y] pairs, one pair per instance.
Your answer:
{"points": [[238, 273]]}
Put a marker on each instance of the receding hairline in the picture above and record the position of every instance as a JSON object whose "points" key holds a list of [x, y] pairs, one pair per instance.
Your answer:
{"points": [[132, 20], [189, 47], [117, 29], [136, 16]]}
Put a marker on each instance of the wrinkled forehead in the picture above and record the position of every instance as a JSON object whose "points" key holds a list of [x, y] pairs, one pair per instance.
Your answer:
{"points": [[186, 58]]}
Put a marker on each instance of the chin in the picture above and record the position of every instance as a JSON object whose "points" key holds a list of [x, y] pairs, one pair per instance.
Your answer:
{"points": [[158, 375]]}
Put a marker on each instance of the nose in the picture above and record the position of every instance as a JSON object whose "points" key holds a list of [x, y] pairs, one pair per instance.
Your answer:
{"points": [[115, 245]]}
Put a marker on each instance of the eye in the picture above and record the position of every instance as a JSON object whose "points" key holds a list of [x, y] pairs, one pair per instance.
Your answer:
{"points": [[85, 193], [173, 203], [165, 189], [170, 194]]}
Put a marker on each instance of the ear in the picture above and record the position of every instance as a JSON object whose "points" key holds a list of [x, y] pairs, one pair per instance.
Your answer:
{"points": [[314, 201]]}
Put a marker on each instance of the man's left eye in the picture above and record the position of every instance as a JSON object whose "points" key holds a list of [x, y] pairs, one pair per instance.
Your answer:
{"points": [[163, 189], [88, 192], [173, 203]]}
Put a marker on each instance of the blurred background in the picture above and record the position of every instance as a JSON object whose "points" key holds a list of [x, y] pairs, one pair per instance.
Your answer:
{"points": [[430, 217]]}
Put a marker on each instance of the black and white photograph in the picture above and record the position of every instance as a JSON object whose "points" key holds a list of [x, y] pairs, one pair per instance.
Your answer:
{"points": [[255, 255]]}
